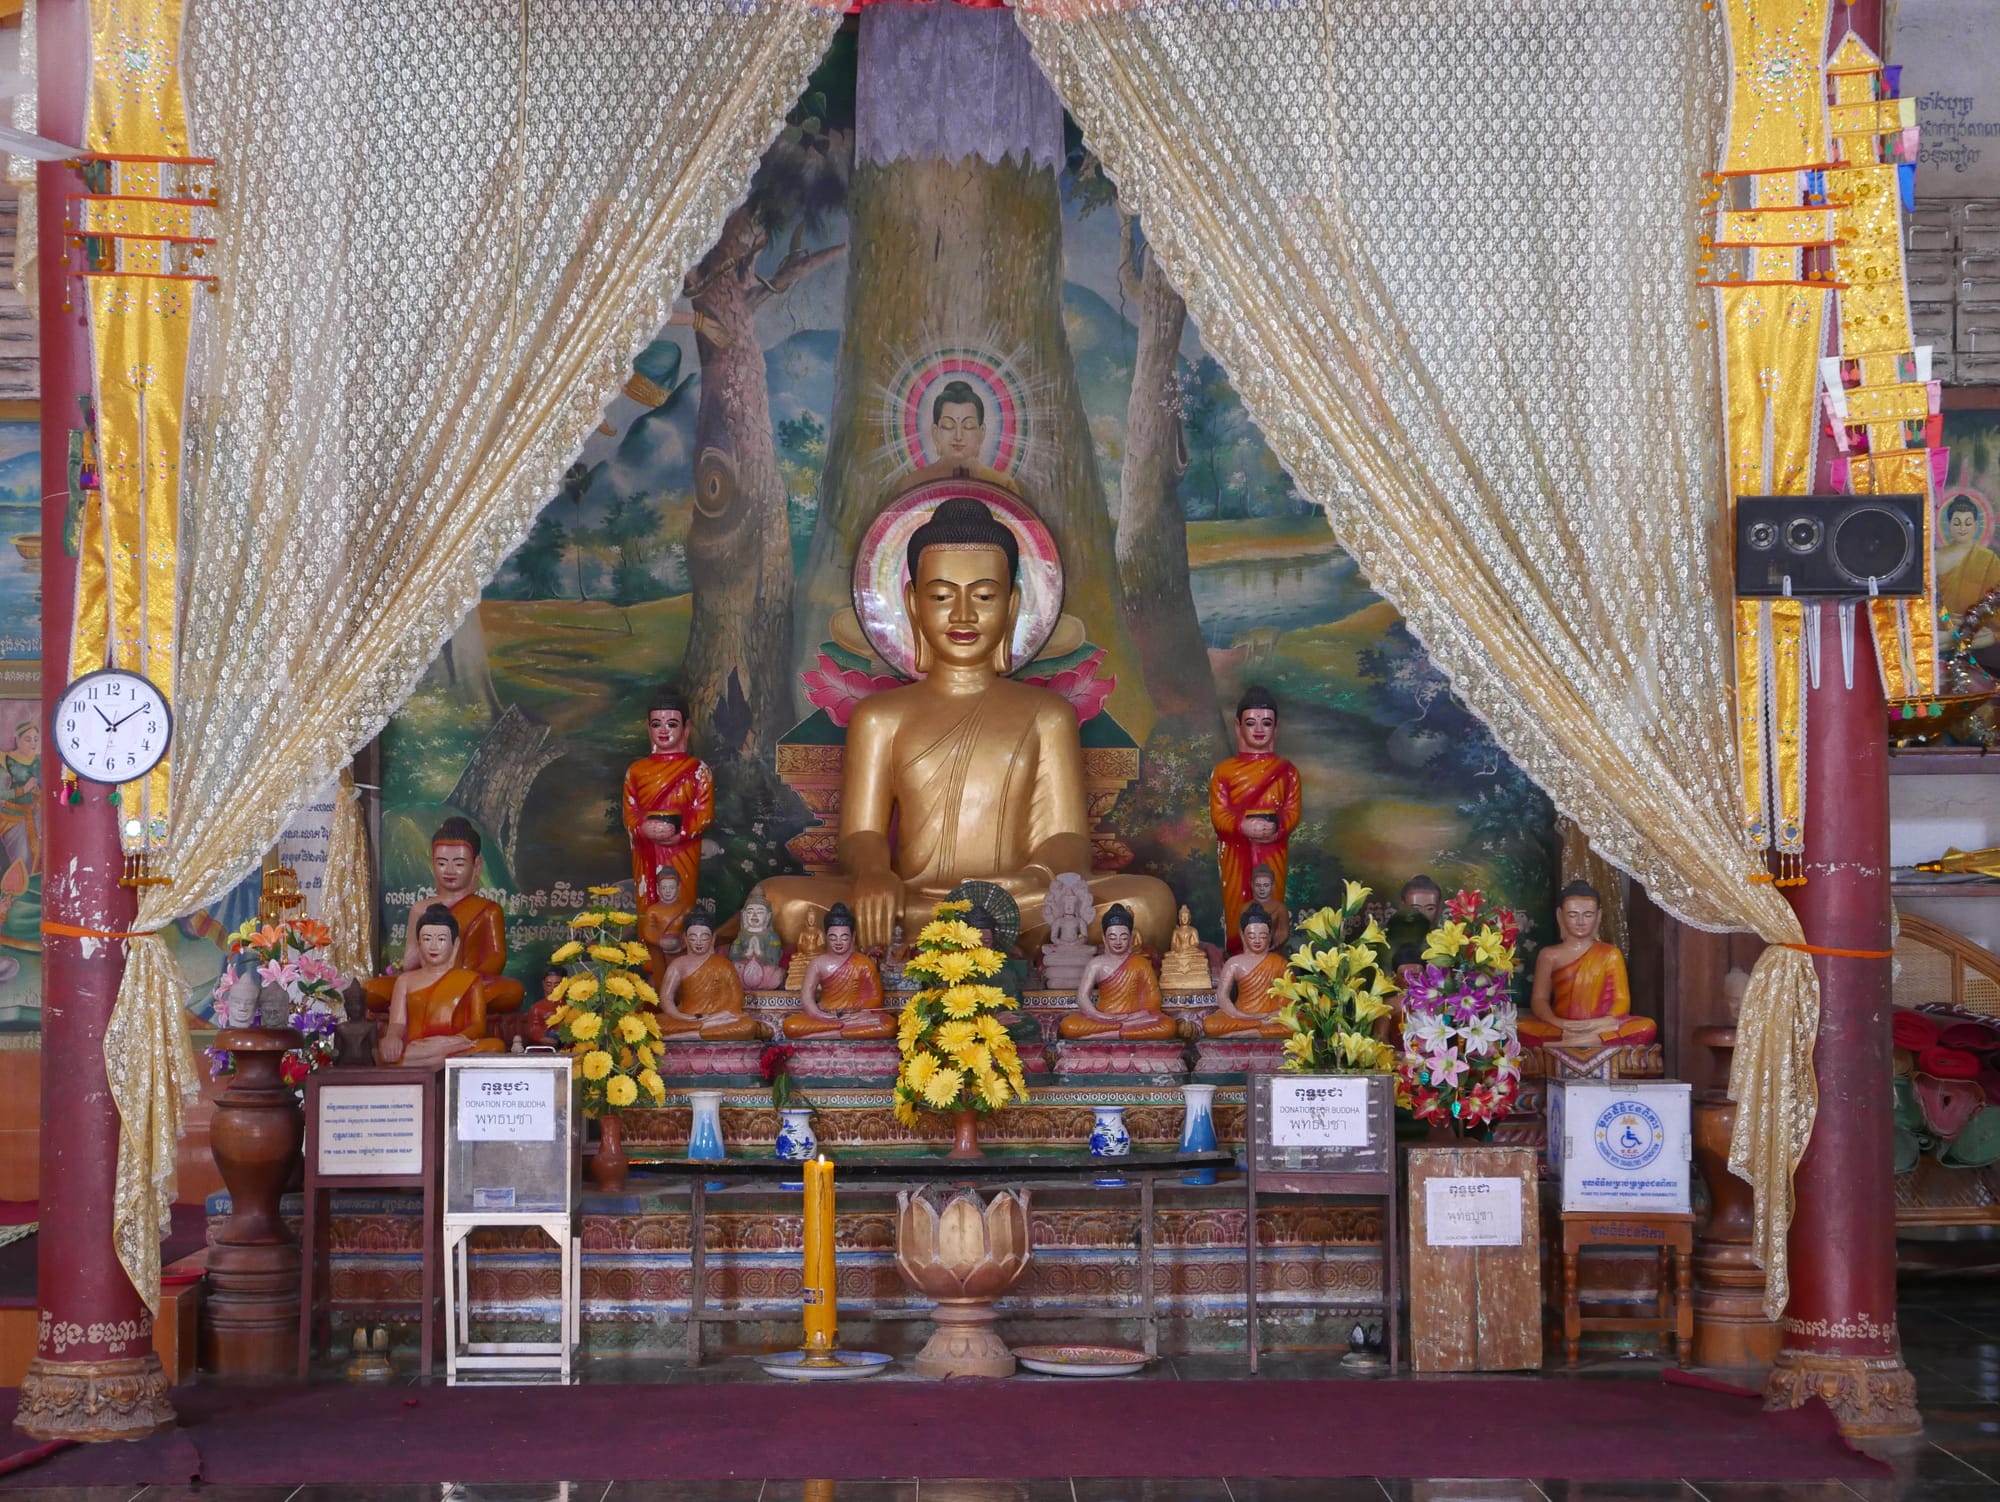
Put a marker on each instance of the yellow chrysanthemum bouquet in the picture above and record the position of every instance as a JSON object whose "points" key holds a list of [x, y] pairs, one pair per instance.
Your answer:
{"points": [[956, 1055], [1336, 992], [604, 1012]]}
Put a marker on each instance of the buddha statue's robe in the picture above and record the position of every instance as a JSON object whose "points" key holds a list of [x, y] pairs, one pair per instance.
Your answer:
{"points": [[975, 789], [1131, 988], [713, 988], [452, 1005], [680, 786], [1239, 787], [855, 987], [1255, 996], [482, 947], [1589, 987]]}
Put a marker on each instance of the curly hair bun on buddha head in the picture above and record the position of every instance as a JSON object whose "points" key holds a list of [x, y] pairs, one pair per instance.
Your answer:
{"points": [[838, 916], [701, 915], [1117, 916], [962, 522]]}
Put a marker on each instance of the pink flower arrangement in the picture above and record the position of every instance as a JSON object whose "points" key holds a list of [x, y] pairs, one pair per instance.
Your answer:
{"points": [[1460, 1062]]}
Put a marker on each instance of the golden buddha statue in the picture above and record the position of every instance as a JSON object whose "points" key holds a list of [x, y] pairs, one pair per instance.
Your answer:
{"points": [[1244, 1001], [811, 945], [1185, 967], [701, 995], [981, 776], [437, 1007], [1581, 998], [481, 926], [1119, 995], [841, 993]]}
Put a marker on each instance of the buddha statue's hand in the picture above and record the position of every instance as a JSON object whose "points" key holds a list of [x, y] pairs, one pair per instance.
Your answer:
{"points": [[1260, 828], [878, 903]]}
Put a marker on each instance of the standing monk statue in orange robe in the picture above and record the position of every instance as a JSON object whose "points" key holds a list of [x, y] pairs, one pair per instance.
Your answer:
{"points": [[437, 1007], [669, 804], [841, 995], [482, 927], [1119, 995], [1254, 804], [1581, 998], [1244, 1002]]}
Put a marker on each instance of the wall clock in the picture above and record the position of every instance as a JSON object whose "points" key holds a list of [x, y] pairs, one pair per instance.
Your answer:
{"points": [[112, 726]]}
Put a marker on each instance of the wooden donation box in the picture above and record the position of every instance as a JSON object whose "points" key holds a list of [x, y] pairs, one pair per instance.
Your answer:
{"points": [[511, 1159], [1475, 1260], [367, 1130], [1322, 1134]]}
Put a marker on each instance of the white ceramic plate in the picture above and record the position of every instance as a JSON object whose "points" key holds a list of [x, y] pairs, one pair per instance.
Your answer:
{"points": [[852, 1364], [1082, 1361]]}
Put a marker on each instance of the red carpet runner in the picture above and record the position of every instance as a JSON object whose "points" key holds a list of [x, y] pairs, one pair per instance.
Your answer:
{"points": [[1437, 1427]]}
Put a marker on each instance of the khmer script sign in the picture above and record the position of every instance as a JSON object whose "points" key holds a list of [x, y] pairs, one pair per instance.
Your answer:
{"points": [[1472, 1212], [1325, 1110], [1945, 49], [506, 1105]]}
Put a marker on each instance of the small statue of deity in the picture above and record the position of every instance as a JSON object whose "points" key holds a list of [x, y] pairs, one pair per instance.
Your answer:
{"points": [[757, 953], [701, 995], [1581, 998], [1185, 967], [1118, 994], [812, 944], [1068, 910], [354, 1039], [438, 1006], [481, 925], [668, 805], [894, 958], [660, 922], [1244, 1001], [535, 1025], [841, 992], [1264, 893], [1254, 802]]}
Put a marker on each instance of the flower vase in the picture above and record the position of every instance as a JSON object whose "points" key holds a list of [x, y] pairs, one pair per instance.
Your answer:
{"points": [[608, 1165], [1108, 1136], [965, 1136], [796, 1142], [705, 1130], [1198, 1129]]}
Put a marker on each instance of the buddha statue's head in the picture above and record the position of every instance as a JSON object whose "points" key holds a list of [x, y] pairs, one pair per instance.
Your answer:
{"points": [[1118, 929], [958, 425], [963, 593], [437, 936], [1255, 927], [839, 929], [756, 912], [698, 932], [1423, 895], [1263, 883], [1577, 910], [455, 857], [1256, 721], [667, 722]]}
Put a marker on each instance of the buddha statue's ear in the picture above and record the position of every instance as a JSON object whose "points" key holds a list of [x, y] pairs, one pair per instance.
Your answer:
{"points": [[910, 615], [1003, 656]]}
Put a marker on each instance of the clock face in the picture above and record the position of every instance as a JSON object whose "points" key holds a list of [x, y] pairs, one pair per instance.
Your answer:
{"points": [[112, 726]]}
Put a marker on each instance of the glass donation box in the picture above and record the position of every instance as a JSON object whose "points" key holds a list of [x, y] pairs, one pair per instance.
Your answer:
{"points": [[512, 1139]]}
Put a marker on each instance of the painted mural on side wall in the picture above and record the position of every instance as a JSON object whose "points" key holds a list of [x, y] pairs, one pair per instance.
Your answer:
{"points": [[859, 329]]}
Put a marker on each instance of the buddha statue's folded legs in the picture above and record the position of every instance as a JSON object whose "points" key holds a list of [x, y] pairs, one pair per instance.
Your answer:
{"points": [[870, 1023], [1159, 1028], [1224, 1025], [1151, 902]]}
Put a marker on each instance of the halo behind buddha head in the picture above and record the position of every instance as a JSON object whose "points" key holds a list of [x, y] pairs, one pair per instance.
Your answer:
{"points": [[885, 559]]}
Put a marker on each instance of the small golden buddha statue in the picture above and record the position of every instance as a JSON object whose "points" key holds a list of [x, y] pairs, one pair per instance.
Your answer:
{"points": [[482, 926], [1581, 998], [701, 995], [1244, 1001], [1185, 967], [981, 776], [812, 944], [841, 993], [1119, 995], [437, 1007]]}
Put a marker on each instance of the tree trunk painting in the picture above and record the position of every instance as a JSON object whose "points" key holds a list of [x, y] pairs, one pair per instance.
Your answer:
{"points": [[1154, 591]]}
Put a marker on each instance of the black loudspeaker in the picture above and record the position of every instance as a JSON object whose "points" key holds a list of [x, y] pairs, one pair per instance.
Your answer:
{"points": [[1830, 545]]}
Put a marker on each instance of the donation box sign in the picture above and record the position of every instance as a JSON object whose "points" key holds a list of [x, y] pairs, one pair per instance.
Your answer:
{"points": [[511, 1129], [507, 1105], [1472, 1212], [1622, 1145], [1324, 1123]]}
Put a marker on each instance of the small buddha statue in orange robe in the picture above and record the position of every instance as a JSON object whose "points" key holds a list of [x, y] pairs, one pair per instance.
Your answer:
{"points": [[437, 1007], [841, 993], [1119, 995], [1254, 802], [1265, 894], [1581, 998], [669, 803], [701, 995], [482, 926], [1244, 1000]]}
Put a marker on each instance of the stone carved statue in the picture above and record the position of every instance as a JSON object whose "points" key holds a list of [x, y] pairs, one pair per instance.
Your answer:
{"points": [[1244, 1001], [841, 993], [1254, 802], [1119, 995], [1185, 967], [482, 926], [980, 776], [438, 1007], [701, 995], [1068, 911], [757, 953], [354, 1040], [1581, 998]]}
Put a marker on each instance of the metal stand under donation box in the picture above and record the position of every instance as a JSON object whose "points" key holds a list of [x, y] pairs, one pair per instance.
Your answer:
{"points": [[510, 1159]]}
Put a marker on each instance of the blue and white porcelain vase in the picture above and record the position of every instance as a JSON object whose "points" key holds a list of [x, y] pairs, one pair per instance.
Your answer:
{"points": [[1108, 1137], [796, 1142], [705, 1131], [1198, 1129]]}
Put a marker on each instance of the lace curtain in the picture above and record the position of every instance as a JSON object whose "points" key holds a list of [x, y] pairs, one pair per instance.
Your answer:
{"points": [[1445, 250], [448, 226]]}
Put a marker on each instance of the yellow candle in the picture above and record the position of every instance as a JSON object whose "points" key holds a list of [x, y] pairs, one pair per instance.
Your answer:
{"points": [[821, 1314]]}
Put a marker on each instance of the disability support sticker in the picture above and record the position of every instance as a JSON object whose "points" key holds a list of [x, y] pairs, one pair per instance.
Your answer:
{"points": [[1629, 1135]]}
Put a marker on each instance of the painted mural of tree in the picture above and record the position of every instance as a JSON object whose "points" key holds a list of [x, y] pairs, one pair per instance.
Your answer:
{"points": [[955, 228], [739, 545]]}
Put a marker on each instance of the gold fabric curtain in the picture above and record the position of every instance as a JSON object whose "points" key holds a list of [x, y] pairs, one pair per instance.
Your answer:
{"points": [[448, 225], [1445, 250]]}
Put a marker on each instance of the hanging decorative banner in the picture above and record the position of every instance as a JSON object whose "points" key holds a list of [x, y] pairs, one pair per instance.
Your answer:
{"points": [[137, 240]]}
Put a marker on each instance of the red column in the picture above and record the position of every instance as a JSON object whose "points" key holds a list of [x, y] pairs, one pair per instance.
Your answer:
{"points": [[1840, 1338], [95, 1374]]}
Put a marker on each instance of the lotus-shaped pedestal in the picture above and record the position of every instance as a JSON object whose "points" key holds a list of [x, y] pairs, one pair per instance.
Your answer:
{"points": [[964, 1253]]}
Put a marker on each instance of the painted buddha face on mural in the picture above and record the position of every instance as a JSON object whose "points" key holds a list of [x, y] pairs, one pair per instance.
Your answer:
{"points": [[962, 604], [958, 426]]}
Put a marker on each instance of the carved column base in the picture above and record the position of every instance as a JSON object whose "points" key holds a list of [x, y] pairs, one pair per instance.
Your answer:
{"points": [[95, 1400], [1872, 1397], [966, 1344]]}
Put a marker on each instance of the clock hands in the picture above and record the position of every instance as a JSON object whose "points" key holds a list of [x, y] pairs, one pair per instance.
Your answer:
{"points": [[114, 724], [106, 718]]}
